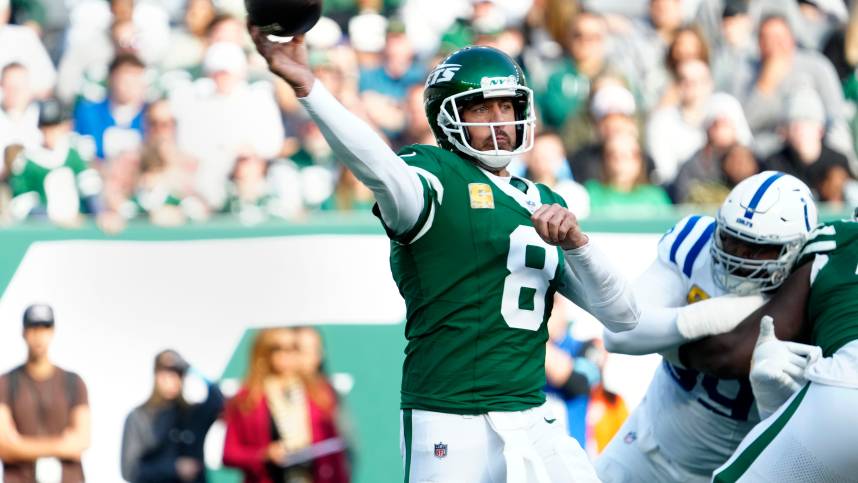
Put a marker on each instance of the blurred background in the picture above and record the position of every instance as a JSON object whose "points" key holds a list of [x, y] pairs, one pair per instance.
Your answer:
{"points": [[159, 188]]}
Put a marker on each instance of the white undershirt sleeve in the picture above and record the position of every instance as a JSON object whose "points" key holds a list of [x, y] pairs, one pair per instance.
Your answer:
{"points": [[656, 292], [397, 188], [593, 283]]}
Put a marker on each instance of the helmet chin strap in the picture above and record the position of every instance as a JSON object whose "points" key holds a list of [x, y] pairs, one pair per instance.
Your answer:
{"points": [[490, 162]]}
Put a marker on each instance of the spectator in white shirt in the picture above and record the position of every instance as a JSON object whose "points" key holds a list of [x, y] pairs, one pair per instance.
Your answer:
{"points": [[221, 113], [763, 86], [22, 45], [675, 133], [19, 115]]}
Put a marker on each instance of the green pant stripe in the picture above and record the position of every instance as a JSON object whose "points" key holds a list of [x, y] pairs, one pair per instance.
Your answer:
{"points": [[741, 464], [406, 429]]}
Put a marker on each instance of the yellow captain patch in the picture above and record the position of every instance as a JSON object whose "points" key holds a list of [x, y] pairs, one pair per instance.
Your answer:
{"points": [[696, 294], [481, 195]]}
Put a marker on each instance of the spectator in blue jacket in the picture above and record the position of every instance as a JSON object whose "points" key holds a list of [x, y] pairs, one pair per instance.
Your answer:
{"points": [[116, 122]]}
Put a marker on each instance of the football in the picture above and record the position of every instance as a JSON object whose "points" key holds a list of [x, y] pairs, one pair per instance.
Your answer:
{"points": [[283, 18]]}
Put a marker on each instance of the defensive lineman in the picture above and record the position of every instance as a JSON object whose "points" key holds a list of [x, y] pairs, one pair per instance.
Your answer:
{"points": [[707, 277], [478, 256], [812, 436]]}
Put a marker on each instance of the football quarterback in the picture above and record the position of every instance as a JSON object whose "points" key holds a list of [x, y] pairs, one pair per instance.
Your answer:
{"points": [[477, 255]]}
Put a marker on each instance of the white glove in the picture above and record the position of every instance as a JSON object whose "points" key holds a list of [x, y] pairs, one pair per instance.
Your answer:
{"points": [[717, 315], [777, 368]]}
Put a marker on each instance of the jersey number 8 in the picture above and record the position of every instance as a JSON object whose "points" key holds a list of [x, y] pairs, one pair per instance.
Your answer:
{"points": [[532, 264]]}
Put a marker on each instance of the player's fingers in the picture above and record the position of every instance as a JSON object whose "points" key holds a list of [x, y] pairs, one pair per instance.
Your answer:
{"points": [[259, 40], [794, 371], [539, 224], [557, 217], [566, 226], [538, 212], [804, 350], [797, 360]]}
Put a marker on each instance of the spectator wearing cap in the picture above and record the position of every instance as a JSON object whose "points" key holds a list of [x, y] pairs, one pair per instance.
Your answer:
{"points": [[763, 86], [19, 114], [22, 45], [613, 109], [624, 188], [44, 410], [383, 89], [115, 123], [702, 178], [220, 114], [55, 178], [162, 441], [675, 133], [806, 155]]}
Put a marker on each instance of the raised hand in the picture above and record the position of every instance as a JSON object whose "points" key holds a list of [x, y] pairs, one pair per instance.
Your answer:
{"points": [[777, 367], [558, 226], [288, 60]]}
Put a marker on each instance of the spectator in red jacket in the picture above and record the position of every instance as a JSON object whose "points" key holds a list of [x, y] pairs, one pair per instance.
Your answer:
{"points": [[280, 426]]}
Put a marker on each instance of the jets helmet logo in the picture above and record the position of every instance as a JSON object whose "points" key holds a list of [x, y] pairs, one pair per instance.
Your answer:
{"points": [[442, 73]]}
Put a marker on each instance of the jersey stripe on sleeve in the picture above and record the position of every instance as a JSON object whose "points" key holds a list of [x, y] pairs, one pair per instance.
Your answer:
{"points": [[683, 234], [696, 249]]}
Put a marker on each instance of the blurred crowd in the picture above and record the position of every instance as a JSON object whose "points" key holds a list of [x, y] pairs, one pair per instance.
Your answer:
{"points": [[161, 109]]}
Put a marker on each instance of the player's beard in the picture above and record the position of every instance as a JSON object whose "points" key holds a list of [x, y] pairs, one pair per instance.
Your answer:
{"points": [[504, 142]]}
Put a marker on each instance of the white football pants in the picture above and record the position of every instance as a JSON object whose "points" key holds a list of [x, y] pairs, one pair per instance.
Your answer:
{"points": [[527, 446]]}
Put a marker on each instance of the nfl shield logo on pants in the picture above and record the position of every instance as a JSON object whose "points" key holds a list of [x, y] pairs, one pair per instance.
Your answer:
{"points": [[440, 450]]}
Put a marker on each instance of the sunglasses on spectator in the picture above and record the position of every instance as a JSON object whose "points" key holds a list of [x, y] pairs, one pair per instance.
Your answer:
{"points": [[283, 348], [587, 36]]}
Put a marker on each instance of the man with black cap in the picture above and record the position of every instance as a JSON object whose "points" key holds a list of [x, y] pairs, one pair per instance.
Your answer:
{"points": [[162, 441], [44, 411], [54, 178]]}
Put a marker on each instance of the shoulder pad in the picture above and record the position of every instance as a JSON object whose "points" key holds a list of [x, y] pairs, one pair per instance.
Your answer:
{"points": [[684, 242]]}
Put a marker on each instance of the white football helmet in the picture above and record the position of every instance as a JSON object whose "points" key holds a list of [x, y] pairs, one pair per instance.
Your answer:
{"points": [[765, 211]]}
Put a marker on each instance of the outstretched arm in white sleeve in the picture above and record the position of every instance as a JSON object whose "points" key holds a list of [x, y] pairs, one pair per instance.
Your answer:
{"points": [[667, 320], [396, 187]]}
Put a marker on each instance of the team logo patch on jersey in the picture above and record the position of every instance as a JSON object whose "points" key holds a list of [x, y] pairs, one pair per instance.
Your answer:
{"points": [[481, 196], [696, 294], [440, 450]]}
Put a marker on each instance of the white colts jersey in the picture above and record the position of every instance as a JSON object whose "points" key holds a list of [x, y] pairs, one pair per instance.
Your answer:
{"points": [[697, 420]]}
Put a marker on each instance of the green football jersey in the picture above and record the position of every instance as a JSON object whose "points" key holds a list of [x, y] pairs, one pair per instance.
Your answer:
{"points": [[478, 284], [833, 303], [44, 172]]}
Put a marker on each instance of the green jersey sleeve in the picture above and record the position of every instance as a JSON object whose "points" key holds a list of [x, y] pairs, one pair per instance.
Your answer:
{"points": [[832, 306], [427, 165]]}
